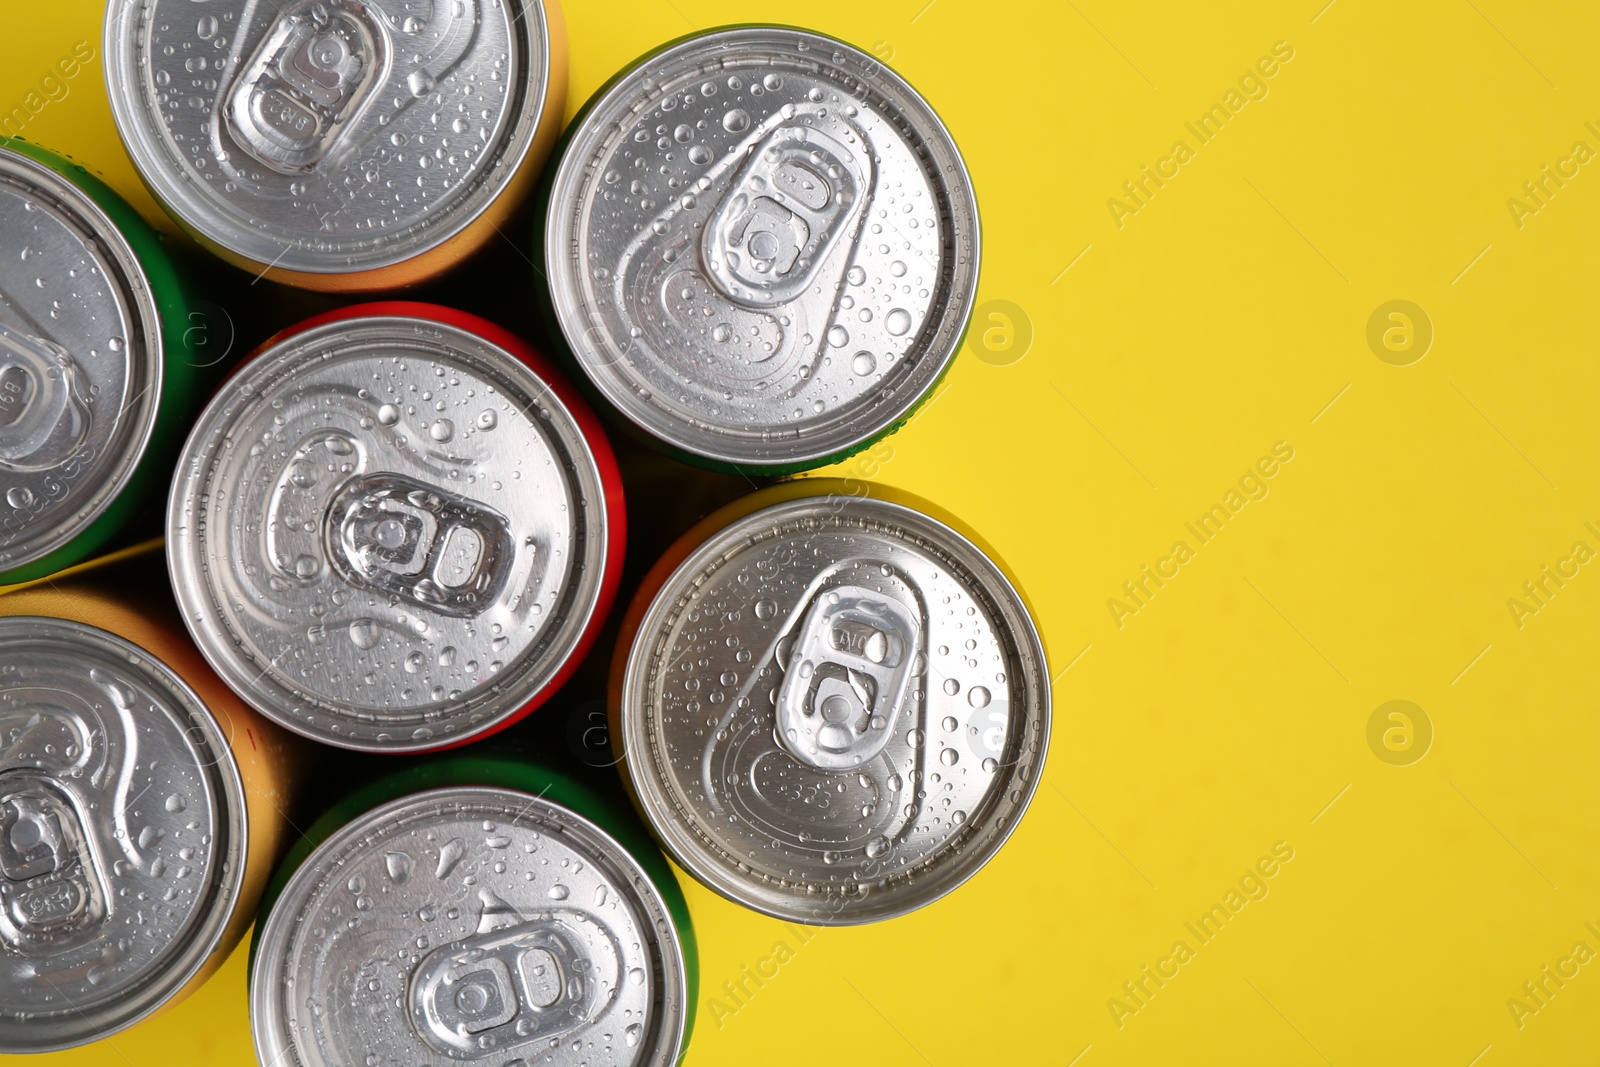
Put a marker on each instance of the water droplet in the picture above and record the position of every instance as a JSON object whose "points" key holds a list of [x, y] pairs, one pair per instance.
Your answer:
{"points": [[863, 363], [559, 892], [398, 864], [302, 474], [388, 414], [949, 757], [449, 856], [364, 633], [176, 803], [721, 333], [898, 269], [636, 976], [990, 766], [766, 609], [206, 28], [447, 655], [978, 696], [772, 82], [420, 82], [20, 497], [305, 566], [442, 430], [838, 336], [949, 724], [898, 322], [632, 1033], [487, 419], [148, 837], [414, 662], [736, 121], [699, 155], [952, 686], [877, 847]]}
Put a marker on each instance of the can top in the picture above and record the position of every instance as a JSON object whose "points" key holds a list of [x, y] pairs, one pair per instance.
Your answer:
{"points": [[835, 710], [763, 246], [468, 924], [327, 136], [80, 360], [387, 533], [122, 833]]}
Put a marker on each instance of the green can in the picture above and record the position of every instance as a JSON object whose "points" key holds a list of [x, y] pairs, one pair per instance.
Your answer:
{"points": [[473, 909], [95, 389]]}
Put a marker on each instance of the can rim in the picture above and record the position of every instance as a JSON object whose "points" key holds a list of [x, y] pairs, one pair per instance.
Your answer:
{"points": [[198, 599], [567, 187], [662, 809], [145, 317], [265, 988], [144, 142], [208, 922]]}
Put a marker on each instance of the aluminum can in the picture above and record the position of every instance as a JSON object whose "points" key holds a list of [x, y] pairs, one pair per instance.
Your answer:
{"points": [[833, 706], [762, 248], [94, 390], [141, 813], [337, 145], [471, 923], [395, 529]]}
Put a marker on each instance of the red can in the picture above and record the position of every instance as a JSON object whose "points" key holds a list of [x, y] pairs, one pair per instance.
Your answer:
{"points": [[396, 528]]}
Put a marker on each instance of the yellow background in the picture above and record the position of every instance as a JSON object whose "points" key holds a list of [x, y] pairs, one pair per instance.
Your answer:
{"points": [[1226, 715]]}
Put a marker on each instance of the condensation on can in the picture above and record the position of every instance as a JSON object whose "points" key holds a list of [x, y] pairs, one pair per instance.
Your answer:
{"points": [[762, 248], [94, 389], [395, 529], [471, 921], [338, 145], [140, 800], [833, 705]]}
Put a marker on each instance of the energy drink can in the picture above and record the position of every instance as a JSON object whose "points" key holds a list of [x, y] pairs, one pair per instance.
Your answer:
{"points": [[338, 145], [834, 707], [464, 912], [94, 393], [762, 248], [141, 813], [395, 529]]}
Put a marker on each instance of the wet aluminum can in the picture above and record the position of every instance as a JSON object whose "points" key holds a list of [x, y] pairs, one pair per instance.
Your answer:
{"points": [[762, 248], [395, 529], [470, 924], [94, 392], [338, 145], [833, 706], [141, 813]]}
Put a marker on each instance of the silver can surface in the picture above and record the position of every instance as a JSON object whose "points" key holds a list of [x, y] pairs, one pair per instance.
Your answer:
{"points": [[762, 247], [834, 709], [122, 834], [468, 924], [80, 361], [388, 532], [336, 144]]}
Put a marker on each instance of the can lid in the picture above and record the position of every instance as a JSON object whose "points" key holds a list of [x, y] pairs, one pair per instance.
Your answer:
{"points": [[327, 136], [835, 710], [468, 924], [763, 246], [387, 533], [122, 833], [80, 361]]}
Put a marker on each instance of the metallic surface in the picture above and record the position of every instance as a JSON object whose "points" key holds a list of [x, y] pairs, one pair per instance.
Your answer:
{"points": [[320, 138], [387, 533], [122, 833], [80, 361], [470, 925], [835, 709], [763, 246]]}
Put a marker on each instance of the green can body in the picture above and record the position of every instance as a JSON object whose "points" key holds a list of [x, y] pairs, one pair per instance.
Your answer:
{"points": [[164, 312]]}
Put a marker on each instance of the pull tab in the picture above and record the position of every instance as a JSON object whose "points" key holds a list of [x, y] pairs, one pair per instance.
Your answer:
{"points": [[42, 418], [799, 194], [437, 550], [51, 893], [481, 995], [847, 678], [315, 71]]}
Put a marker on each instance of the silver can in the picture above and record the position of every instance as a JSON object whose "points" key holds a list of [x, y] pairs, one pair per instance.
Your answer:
{"points": [[835, 709], [762, 247], [389, 532], [122, 834], [80, 367], [337, 144], [468, 924]]}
